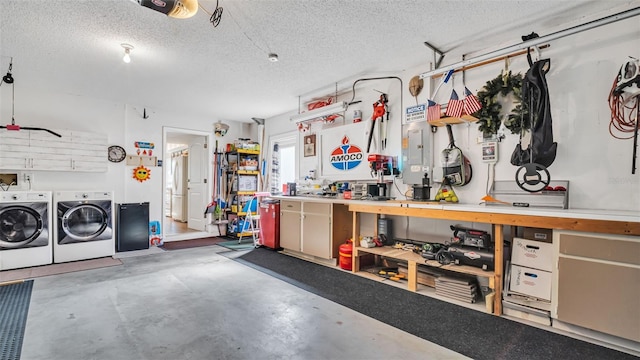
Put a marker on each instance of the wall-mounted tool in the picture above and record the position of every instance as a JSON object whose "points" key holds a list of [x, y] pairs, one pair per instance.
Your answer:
{"points": [[379, 110], [8, 79], [628, 80], [624, 102], [532, 174]]}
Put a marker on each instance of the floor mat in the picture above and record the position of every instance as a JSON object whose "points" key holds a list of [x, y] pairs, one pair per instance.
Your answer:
{"points": [[55, 269], [186, 244], [466, 331], [234, 245], [14, 307]]}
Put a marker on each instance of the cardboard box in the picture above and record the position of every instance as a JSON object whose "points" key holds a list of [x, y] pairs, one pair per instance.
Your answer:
{"points": [[532, 254], [544, 235], [532, 282]]}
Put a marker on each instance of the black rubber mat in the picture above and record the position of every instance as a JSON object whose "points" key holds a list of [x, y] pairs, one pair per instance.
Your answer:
{"points": [[472, 333], [14, 307]]}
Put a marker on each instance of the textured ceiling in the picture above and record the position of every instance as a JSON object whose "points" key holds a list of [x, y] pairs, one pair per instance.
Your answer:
{"points": [[223, 73]]}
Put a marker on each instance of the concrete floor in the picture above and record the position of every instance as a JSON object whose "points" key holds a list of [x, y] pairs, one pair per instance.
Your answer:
{"points": [[198, 304]]}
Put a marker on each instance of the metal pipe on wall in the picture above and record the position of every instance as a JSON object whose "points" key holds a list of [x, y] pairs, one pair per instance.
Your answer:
{"points": [[536, 41]]}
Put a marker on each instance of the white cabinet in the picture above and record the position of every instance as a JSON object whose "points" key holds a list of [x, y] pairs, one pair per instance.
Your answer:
{"points": [[40, 150], [14, 150], [314, 228], [290, 224], [598, 282]]}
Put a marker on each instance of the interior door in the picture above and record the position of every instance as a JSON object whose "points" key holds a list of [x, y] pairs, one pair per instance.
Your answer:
{"points": [[196, 190]]}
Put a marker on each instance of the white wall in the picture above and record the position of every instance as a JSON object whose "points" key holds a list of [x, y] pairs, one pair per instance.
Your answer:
{"points": [[367, 92], [123, 123], [583, 67]]}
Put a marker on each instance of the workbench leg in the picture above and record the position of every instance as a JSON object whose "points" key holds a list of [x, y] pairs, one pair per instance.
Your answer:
{"points": [[375, 226], [355, 258], [498, 234], [412, 278]]}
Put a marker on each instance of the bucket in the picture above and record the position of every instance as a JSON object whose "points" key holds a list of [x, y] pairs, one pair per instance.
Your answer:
{"points": [[345, 251], [222, 226]]}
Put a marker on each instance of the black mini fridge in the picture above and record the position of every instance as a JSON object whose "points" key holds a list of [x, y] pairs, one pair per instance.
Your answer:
{"points": [[132, 226]]}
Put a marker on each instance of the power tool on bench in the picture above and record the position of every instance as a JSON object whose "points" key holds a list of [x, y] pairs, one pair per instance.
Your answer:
{"points": [[430, 251], [471, 247], [470, 237]]}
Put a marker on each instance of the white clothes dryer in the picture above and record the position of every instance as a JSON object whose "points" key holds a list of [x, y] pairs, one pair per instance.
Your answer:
{"points": [[84, 225], [25, 234]]}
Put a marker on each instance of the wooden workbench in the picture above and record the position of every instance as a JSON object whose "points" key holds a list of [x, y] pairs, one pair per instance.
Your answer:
{"points": [[595, 221]]}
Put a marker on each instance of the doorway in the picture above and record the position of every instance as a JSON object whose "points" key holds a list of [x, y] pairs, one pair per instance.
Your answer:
{"points": [[284, 159], [185, 182]]}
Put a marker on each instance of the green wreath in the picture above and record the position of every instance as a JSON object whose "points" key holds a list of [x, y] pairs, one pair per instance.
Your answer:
{"points": [[489, 118]]}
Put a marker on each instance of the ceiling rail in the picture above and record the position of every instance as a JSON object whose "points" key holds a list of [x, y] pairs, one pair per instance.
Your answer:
{"points": [[492, 60], [536, 41]]}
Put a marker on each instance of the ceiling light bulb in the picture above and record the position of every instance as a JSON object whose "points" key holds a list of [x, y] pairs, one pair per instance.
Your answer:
{"points": [[273, 57], [127, 52]]}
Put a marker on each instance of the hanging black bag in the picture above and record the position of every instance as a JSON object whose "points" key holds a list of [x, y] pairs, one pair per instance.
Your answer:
{"points": [[542, 149]]}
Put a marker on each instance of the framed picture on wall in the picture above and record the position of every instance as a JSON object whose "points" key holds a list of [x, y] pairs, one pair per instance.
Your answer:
{"points": [[310, 145]]}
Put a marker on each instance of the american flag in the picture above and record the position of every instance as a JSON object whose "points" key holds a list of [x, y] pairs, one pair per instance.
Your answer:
{"points": [[455, 106], [433, 110], [471, 102]]}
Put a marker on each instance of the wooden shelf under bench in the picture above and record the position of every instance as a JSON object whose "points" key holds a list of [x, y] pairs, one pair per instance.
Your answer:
{"points": [[413, 260]]}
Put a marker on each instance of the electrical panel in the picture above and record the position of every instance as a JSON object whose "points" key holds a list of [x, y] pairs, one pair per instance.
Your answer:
{"points": [[416, 152]]}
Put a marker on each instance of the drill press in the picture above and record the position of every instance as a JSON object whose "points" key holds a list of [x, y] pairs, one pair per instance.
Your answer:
{"points": [[380, 166]]}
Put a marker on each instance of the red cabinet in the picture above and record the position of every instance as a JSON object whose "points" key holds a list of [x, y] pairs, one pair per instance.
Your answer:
{"points": [[270, 223]]}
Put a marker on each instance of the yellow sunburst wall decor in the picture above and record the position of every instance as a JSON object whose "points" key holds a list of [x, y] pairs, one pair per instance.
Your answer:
{"points": [[141, 173]]}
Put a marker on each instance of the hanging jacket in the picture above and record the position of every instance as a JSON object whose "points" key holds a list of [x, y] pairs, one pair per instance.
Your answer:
{"points": [[542, 149]]}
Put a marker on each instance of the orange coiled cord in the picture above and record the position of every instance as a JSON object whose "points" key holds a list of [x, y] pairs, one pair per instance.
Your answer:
{"points": [[623, 116]]}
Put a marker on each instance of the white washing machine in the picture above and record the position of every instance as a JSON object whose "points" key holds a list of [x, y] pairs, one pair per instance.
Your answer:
{"points": [[25, 233], [84, 225]]}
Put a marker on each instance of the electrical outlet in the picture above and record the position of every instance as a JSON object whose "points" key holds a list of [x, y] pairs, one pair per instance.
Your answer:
{"points": [[27, 177]]}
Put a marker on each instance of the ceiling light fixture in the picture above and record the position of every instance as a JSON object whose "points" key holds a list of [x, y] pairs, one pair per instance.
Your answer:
{"points": [[273, 57], [320, 112], [127, 52]]}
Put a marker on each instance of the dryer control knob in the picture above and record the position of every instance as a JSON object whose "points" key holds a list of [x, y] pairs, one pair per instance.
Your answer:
{"points": [[84, 196], [14, 197]]}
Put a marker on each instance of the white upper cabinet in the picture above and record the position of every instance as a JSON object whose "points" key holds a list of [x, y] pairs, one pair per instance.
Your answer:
{"points": [[41, 150]]}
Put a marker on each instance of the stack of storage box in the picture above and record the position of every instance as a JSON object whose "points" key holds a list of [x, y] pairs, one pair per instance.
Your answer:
{"points": [[529, 292]]}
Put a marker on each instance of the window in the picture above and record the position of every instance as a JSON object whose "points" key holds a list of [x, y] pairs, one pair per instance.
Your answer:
{"points": [[283, 164]]}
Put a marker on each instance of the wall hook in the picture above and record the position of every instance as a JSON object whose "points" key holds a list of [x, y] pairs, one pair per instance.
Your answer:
{"points": [[144, 113]]}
